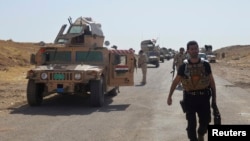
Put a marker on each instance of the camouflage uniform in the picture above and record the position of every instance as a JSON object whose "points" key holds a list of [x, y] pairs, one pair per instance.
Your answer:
{"points": [[178, 60], [142, 63]]}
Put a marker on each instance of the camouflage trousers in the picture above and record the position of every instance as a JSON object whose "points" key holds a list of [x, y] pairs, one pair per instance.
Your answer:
{"points": [[144, 74]]}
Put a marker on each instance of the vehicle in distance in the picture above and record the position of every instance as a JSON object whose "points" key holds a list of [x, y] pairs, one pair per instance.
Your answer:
{"points": [[203, 56], [211, 57]]}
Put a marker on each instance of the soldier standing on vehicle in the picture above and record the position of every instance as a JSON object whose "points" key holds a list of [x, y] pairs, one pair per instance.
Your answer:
{"points": [[198, 85], [142, 63], [178, 60]]}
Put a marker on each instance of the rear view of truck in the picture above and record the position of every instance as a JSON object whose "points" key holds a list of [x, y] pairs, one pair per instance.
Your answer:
{"points": [[152, 52]]}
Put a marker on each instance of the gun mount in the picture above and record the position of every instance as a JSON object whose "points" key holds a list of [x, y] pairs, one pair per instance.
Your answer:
{"points": [[84, 32]]}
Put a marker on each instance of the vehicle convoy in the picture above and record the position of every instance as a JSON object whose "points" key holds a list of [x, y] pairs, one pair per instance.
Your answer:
{"points": [[207, 49], [152, 51], [77, 63], [168, 53], [162, 56]]}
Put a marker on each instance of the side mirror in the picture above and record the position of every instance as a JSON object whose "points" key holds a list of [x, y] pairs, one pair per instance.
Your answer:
{"points": [[32, 59]]}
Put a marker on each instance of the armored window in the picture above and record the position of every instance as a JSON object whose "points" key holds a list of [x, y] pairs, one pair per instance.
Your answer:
{"points": [[91, 56], [76, 29], [62, 41], [123, 60], [58, 56]]}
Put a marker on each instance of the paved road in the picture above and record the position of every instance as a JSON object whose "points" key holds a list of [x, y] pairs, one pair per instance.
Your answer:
{"points": [[137, 113]]}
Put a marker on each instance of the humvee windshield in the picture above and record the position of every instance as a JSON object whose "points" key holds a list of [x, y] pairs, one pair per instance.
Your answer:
{"points": [[76, 29], [91, 56], [62, 57], [57, 56]]}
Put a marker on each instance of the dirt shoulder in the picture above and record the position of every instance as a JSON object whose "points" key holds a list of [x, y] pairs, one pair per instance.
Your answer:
{"points": [[12, 86], [233, 64], [239, 76]]}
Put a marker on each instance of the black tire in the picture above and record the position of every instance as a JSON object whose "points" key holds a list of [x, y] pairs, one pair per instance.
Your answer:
{"points": [[96, 93], [34, 93], [157, 65]]}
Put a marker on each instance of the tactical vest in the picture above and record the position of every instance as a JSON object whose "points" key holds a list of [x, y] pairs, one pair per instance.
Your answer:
{"points": [[196, 78]]}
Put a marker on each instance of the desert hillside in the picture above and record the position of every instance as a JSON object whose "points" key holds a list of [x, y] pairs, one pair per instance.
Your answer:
{"points": [[238, 55], [15, 54]]}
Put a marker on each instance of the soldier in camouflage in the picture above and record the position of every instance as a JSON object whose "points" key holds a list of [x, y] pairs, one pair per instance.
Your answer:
{"points": [[178, 60], [198, 86], [142, 63]]}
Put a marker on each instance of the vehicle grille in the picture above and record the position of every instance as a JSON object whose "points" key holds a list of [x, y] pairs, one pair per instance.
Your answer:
{"points": [[60, 76]]}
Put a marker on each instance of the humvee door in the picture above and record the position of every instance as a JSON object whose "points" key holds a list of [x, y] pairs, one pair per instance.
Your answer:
{"points": [[122, 68]]}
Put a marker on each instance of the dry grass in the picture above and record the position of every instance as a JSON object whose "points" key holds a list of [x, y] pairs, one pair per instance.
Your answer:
{"points": [[14, 54], [16, 74], [235, 66]]}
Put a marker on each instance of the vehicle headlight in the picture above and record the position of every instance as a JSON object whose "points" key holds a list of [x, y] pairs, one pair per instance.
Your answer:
{"points": [[44, 75], [78, 76]]}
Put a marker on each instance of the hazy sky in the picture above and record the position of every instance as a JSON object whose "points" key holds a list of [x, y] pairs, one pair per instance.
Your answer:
{"points": [[126, 23]]}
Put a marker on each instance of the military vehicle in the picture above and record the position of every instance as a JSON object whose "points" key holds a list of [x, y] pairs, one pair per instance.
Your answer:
{"points": [[208, 50], [164, 51], [210, 55], [162, 56], [77, 63], [152, 51]]}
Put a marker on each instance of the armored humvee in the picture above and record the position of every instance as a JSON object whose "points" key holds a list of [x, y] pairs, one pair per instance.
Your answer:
{"points": [[152, 51], [78, 63]]}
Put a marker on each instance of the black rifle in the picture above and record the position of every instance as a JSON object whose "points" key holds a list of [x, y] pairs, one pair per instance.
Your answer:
{"points": [[216, 114]]}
